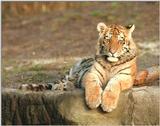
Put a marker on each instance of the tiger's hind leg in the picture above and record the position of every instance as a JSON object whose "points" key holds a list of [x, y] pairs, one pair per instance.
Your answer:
{"points": [[112, 91], [93, 90]]}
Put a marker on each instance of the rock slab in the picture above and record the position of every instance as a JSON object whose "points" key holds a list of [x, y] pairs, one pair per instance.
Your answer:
{"points": [[138, 106]]}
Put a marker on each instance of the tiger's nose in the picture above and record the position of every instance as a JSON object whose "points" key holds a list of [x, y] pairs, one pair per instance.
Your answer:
{"points": [[112, 51]]}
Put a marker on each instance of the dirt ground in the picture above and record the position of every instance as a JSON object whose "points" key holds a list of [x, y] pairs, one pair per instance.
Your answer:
{"points": [[33, 45]]}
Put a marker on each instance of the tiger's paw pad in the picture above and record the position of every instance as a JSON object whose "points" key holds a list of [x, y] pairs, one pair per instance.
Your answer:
{"points": [[93, 100], [109, 101], [107, 109]]}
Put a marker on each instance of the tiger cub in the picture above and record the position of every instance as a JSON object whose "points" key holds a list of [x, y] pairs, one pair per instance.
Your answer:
{"points": [[114, 68], [103, 83]]}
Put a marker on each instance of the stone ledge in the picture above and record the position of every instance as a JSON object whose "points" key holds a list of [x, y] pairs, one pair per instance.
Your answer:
{"points": [[136, 106]]}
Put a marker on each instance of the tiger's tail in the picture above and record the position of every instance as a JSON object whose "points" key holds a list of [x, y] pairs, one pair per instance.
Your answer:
{"points": [[146, 76]]}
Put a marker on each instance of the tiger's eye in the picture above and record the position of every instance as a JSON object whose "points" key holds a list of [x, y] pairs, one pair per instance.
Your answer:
{"points": [[121, 36], [107, 36]]}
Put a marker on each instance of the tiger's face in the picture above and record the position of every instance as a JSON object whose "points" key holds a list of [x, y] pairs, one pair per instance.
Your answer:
{"points": [[114, 40]]}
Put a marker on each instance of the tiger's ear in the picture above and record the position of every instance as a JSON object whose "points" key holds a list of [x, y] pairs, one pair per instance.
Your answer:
{"points": [[101, 27], [130, 29]]}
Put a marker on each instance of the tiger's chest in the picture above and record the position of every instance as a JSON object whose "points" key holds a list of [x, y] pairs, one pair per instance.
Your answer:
{"points": [[128, 68], [107, 70]]}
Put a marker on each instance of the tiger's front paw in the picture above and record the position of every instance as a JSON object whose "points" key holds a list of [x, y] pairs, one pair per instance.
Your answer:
{"points": [[109, 100], [93, 96]]}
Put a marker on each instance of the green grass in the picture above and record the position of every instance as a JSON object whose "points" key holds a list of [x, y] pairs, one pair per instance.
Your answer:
{"points": [[96, 13], [115, 4], [37, 67]]}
